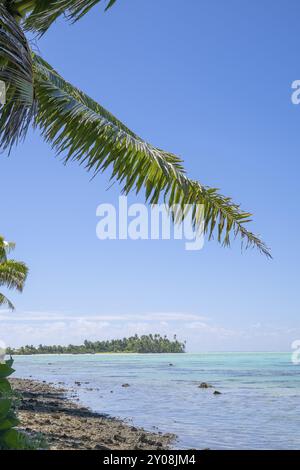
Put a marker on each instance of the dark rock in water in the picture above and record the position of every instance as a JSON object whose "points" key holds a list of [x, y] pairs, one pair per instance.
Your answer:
{"points": [[171, 365], [125, 385], [205, 385], [216, 392], [78, 383]]}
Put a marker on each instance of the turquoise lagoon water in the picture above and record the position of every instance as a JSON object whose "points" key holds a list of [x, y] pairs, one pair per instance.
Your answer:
{"points": [[259, 407]]}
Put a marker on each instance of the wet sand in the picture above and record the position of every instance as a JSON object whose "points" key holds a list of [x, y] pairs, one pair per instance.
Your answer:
{"points": [[65, 425]]}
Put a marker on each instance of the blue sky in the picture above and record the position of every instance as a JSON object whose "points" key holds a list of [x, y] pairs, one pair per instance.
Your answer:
{"points": [[211, 82]]}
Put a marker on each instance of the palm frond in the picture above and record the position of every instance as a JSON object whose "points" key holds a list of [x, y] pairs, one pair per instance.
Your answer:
{"points": [[5, 248], [80, 129], [16, 72], [4, 301], [45, 12], [13, 274]]}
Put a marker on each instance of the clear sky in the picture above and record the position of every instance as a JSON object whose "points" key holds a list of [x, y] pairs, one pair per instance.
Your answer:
{"points": [[206, 79]]}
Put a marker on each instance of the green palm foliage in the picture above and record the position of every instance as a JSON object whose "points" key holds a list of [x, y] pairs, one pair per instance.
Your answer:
{"points": [[12, 273], [11, 438], [16, 71], [80, 129]]}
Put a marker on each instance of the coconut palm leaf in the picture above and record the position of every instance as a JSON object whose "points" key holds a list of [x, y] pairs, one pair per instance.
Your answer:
{"points": [[5, 248], [82, 130], [16, 73], [13, 274], [4, 301], [42, 13]]}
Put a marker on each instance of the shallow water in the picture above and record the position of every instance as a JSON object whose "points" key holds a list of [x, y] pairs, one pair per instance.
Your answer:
{"points": [[259, 407]]}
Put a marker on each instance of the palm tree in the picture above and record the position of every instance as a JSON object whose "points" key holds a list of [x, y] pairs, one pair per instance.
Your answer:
{"points": [[80, 129], [12, 273]]}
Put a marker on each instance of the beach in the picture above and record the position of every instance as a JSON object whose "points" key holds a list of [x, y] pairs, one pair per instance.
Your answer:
{"points": [[260, 394], [65, 425]]}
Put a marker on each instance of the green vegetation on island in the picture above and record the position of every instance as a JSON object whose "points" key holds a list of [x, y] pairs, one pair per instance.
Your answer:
{"points": [[135, 344]]}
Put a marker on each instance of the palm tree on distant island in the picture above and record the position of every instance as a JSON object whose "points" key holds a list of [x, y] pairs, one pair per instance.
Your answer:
{"points": [[13, 274], [82, 130]]}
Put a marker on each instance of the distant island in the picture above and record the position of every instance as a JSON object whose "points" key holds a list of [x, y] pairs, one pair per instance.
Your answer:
{"points": [[135, 344]]}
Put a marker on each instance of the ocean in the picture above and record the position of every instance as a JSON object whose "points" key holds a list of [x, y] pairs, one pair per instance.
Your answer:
{"points": [[259, 405]]}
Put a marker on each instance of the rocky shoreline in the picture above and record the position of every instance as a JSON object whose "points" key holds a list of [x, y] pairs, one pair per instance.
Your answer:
{"points": [[45, 409]]}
